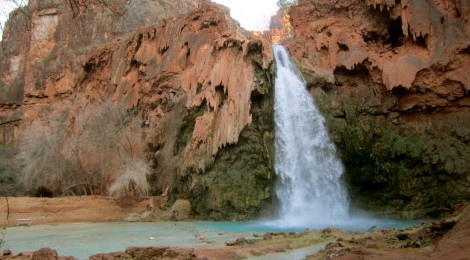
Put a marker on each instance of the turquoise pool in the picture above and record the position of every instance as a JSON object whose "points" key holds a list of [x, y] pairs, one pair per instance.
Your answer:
{"points": [[84, 239]]}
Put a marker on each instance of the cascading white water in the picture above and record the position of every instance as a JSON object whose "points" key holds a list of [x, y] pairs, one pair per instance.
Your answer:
{"points": [[310, 190]]}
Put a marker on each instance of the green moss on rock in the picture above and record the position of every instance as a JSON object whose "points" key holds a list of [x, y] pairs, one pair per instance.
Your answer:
{"points": [[241, 179], [235, 186], [396, 169]]}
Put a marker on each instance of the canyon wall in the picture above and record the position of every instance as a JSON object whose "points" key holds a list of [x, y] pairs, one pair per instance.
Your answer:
{"points": [[200, 84], [392, 80]]}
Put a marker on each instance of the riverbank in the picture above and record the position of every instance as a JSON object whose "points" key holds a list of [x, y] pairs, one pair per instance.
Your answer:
{"points": [[446, 239], [65, 210]]}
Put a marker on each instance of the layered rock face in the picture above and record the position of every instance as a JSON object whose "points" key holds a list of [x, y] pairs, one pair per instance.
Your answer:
{"points": [[200, 83], [392, 79], [48, 41], [46, 44]]}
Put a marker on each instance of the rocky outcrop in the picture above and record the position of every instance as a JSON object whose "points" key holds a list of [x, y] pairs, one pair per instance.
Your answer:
{"points": [[149, 253], [214, 77], [397, 39], [45, 254], [200, 83], [180, 210], [46, 44], [454, 244], [41, 254], [280, 28], [391, 78]]}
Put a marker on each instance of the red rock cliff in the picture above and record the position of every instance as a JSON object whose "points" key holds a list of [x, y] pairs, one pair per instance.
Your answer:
{"points": [[393, 80], [197, 79]]}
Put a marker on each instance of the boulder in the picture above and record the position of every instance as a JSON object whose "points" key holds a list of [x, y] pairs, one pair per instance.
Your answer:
{"points": [[181, 210], [236, 242], [45, 254]]}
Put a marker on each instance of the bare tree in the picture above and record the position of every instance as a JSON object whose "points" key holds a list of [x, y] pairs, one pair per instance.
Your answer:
{"points": [[8, 170], [45, 164], [86, 150], [131, 182], [116, 135]]}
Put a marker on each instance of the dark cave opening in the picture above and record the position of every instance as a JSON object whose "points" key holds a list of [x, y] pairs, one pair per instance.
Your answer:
{"points": [[395, 32]]}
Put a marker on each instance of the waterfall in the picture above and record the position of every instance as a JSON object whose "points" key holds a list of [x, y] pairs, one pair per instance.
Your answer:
{"points": [[309, 190]]}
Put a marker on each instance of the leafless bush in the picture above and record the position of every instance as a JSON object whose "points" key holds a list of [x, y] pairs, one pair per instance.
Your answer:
{"points": [[8, 170], [116, 136], [131, 181], [85, 151], [43, 162]]}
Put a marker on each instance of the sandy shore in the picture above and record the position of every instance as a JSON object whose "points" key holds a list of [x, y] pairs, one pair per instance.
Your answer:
{"points": [[65, 210]]}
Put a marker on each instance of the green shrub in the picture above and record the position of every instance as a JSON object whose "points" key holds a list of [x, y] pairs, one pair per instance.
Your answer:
{"points": [[286, 3]]}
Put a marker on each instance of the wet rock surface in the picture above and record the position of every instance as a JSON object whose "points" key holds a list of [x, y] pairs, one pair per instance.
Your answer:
{"points": [[419, 242], [389, 78]]}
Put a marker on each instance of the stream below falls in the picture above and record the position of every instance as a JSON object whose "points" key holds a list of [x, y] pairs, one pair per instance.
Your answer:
{"points": [[82, 240]]}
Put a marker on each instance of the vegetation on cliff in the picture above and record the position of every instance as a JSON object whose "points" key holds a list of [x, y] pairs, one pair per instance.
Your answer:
{"points": [[190, 83], [394, 169], [194, 91], [236, 186], [240, 182], [395, 99], [286, 3], [98, 152]]}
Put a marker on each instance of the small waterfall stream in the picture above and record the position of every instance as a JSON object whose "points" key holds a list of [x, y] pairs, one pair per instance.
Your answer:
{"points": [[310, 190]]}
